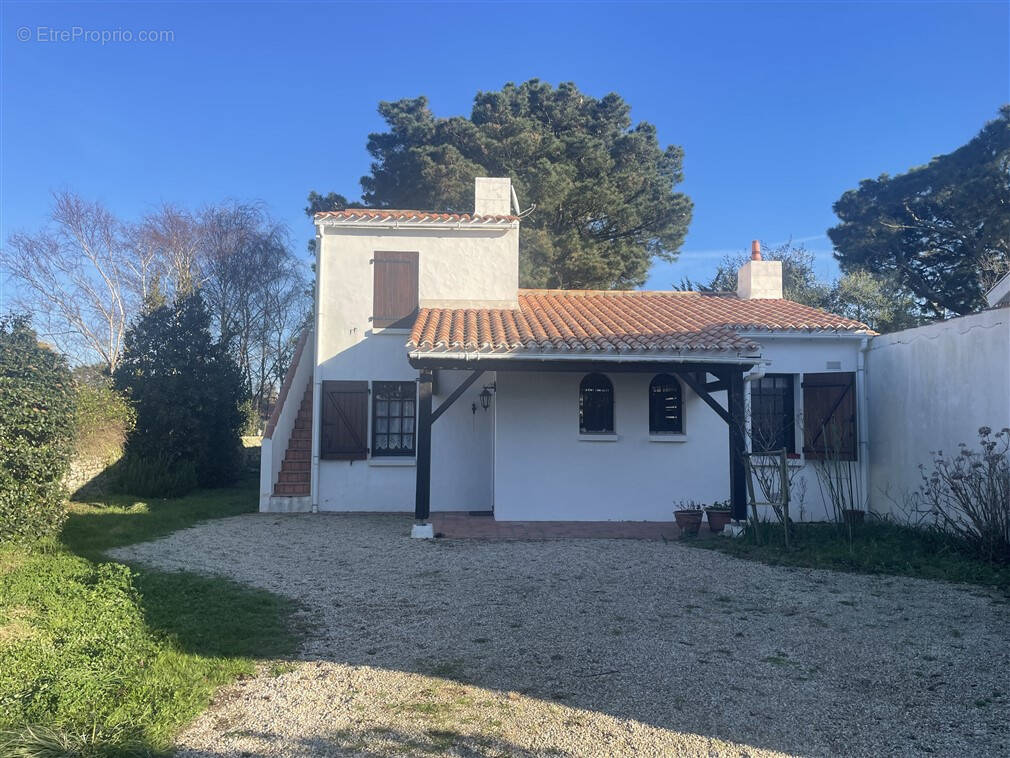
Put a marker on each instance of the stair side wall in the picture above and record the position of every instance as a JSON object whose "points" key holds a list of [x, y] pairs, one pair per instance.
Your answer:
{"points": [[276, 445]]}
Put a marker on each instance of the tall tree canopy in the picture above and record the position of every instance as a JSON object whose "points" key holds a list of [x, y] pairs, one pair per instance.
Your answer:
{"points": [[941, 230], [603, 187]]}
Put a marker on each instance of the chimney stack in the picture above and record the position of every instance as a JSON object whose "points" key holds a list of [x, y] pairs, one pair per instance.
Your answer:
{"points": [[492, 196], [759, 279]]}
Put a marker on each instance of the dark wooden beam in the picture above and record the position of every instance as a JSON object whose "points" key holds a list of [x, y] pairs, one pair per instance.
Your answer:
{"points": [[700, 391], [737, 445], [422, 493], [719, 386], [463, 387]]}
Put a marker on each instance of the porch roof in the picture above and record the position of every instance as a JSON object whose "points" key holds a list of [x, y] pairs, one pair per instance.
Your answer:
{"points": [[617, 322]]}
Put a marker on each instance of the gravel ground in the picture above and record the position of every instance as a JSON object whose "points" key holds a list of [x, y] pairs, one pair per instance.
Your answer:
{"points": [[591, 647]]}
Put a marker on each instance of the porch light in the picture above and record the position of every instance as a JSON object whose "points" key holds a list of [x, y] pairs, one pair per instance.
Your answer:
{"points": [[485, 396]]}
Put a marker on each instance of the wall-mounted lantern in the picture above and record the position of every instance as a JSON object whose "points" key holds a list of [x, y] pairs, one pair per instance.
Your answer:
{"points": [[485, 395]]}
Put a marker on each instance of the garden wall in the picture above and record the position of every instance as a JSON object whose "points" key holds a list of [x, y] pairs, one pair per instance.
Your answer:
{"points": [[929, 389]]}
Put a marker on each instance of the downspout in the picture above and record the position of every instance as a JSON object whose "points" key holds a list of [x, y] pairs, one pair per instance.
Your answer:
{"points": [[864, 423], [317, 387]]}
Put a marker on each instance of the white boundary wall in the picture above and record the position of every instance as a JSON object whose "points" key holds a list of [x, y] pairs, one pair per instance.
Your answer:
{"points": [[931, 388]]}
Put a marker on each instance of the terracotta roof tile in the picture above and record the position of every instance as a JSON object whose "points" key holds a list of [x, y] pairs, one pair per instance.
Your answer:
{"points": [[617, 321], [382, 214]]}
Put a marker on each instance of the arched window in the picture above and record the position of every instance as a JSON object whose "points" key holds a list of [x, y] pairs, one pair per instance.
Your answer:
{"points": [[666, 406], [596, 404]]}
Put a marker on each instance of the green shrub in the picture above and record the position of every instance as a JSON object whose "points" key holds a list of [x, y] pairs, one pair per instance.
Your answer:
{"points": [[104, 418], [155, 477], [186, 390], [36, 433]]}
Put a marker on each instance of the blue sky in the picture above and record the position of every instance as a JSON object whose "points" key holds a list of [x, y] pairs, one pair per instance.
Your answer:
{"points": [[780, 107]]}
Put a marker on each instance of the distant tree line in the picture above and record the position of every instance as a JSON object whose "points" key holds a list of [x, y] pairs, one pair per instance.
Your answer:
{"points": [[88, 275]]}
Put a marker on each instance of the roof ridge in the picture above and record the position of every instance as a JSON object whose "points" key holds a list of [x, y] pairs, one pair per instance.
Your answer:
{"points": [[391, 212], [614, 293]]}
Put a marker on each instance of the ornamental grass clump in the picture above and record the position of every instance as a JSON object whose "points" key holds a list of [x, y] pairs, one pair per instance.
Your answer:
{"points": [[969, 494]]}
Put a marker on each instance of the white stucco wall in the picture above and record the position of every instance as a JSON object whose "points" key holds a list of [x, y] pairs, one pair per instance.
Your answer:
{"points": [[456, 268], [931, 388], [545, 471]]}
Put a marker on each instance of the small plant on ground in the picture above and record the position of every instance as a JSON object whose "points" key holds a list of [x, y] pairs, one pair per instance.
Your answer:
{"points": [[969, 494]]}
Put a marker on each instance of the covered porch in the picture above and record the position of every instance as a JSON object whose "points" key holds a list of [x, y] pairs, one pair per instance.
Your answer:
{"points": [[536, 446]]}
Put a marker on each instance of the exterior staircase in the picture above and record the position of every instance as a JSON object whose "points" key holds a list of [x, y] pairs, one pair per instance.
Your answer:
{"points": [[293, 478]]}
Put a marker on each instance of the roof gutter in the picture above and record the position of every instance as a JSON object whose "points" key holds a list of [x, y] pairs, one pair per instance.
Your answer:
{"points": [[476, 357]]}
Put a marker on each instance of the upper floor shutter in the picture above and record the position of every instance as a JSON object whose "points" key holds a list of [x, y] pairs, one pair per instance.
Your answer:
{"points": [[343, 430], [394, 289], [829, 415]]}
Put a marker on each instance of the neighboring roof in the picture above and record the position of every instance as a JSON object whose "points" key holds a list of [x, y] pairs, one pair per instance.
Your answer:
{"points": [[619, 321], [393, 217]]}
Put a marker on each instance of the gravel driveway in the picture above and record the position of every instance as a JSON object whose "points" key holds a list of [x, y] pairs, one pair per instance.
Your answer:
{"points": [[592, 647]]}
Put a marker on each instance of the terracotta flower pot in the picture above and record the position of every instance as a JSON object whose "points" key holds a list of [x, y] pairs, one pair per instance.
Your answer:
{"points": [[853, 516], [688, 521], [717, 519]]}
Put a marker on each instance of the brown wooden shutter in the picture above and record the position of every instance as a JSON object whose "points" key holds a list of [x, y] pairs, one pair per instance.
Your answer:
{"points": [[343, 431], [394, 289], [829, 415]]}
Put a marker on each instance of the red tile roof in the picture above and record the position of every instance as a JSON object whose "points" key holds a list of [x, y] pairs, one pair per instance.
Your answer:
{"points": [[380, 214], [620, 321]]}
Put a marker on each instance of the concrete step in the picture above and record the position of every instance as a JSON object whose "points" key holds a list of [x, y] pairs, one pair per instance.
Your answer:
{"points": [[289, 504], [292, 465], [293, 477], [291, 490], [297, 455]]}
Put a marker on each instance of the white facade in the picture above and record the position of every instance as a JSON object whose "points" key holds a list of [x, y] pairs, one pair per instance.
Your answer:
{"points": [[523, 457]]}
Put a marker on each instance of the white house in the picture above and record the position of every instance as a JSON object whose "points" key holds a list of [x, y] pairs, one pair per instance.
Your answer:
{"points": [[431, 381]]}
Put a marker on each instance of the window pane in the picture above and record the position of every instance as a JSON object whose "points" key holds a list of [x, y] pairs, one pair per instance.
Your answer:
{"points": [[381, 408], [394, 407], [408, 441], [394, 425], [381, 441], [381, 425]]}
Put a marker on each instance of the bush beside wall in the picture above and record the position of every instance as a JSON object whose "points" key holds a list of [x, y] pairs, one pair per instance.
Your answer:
{"points": [[36, 433]]}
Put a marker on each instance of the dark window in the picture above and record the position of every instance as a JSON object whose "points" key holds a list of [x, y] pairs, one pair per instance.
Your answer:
{"points": [[829, 415], [393, 405], [394, 289], [596, 404], [666, 407], [343, 429], [773, 418]]}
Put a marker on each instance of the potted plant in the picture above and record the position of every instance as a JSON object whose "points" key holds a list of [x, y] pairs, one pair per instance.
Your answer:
{"points": [[688, 516], [719, 514]]}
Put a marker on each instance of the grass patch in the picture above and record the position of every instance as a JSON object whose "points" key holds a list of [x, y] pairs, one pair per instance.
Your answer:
{"points": [[100, 658], [877, 548]]}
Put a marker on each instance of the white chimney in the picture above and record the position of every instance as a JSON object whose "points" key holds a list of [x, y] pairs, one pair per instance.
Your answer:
{"points": [[492, 197], [758, 279]]}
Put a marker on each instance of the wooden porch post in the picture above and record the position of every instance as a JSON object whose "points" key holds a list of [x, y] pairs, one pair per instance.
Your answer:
{"points": [[422, 495], [737, 444]]}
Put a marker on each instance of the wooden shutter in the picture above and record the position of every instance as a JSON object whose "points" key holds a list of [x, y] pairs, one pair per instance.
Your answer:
{"points": [[394, 289], [344, 428], [829, 415]]}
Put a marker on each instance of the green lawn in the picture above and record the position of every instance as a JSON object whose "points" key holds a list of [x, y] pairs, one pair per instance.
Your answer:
{"points": [[876, 547], [108, 659]]}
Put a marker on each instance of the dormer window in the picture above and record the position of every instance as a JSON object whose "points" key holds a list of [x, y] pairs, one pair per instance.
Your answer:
{"points": [[394, 289]]}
